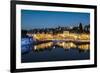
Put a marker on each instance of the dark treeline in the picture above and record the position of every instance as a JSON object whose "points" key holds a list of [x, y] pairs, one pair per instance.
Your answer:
{"points": [[75, 29]]}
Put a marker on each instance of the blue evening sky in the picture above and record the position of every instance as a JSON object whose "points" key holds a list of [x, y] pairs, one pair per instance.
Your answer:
{"points": [[31, 19]]}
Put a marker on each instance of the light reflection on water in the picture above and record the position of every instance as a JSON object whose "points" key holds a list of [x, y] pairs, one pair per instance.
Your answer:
{"points": [[51, 51], [64, 45]]}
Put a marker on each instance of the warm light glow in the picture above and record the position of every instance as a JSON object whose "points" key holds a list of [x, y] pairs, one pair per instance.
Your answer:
{"points": [[84, 47], [43, 46], [66, 45]]}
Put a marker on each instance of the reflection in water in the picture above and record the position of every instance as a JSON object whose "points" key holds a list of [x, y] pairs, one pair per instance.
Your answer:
{"points": [[43, 46], [66, 45], [55, 51], [84, 47], [63, 45], [25, 49]]}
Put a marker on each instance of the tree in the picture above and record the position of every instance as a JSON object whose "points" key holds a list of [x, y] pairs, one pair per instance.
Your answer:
{"points": [[87, 28], [23, 33], [80, 27]]}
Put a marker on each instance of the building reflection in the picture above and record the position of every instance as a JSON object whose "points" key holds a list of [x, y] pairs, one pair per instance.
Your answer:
{"points": [[84, 47], [63, 45], [66, 45], [43, 46]]}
